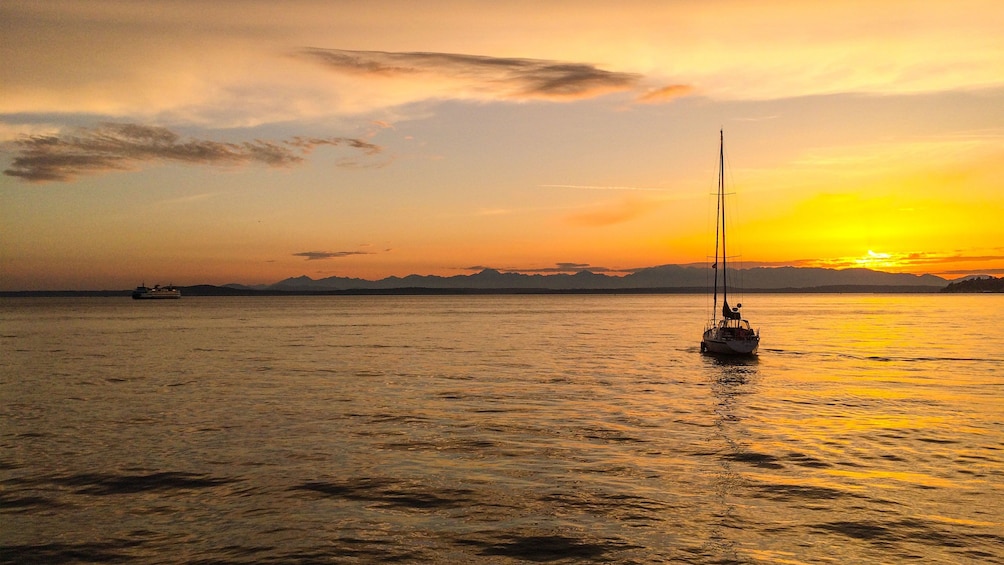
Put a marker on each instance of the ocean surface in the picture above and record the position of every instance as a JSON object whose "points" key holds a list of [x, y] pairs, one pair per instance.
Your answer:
{"points": [[500, 429]]}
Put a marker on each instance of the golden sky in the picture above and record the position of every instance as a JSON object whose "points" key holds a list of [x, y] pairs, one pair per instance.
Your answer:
{"points": [[195, 142]]}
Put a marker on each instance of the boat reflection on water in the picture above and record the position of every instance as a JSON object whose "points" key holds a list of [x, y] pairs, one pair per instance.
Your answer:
{"points": [[733, 380], [735, 369]]}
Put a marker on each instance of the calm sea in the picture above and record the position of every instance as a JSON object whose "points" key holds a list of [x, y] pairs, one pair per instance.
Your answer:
{"points": [[500, 429]]}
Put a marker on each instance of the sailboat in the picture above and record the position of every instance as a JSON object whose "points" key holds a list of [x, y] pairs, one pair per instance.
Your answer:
{"points": [[730, 335]]}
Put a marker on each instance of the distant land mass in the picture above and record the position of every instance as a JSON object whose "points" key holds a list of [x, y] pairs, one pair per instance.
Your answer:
{"points": [[678, 279], [667, 278], [976, 284]]}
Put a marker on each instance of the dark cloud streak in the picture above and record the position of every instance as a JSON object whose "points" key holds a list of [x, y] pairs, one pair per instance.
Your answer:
{"points": [[318, 255], [513, 77], [559, 268], [125, 146]]}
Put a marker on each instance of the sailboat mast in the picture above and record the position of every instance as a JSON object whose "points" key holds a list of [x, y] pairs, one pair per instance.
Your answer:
{"points": [[718, 208], [721, 196]]}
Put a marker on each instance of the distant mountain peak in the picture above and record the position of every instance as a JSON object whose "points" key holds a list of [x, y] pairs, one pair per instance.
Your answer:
{"points": [[658, 277], [487, 273]]}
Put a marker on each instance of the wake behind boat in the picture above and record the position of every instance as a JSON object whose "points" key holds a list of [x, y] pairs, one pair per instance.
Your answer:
{"points": [[144, 292], [732, 335]]}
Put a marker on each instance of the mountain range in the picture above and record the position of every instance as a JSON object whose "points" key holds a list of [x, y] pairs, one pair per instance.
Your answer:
{"points": [[666, 277]]}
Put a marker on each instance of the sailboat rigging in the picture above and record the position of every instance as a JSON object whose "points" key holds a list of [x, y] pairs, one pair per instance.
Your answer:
{"points": [[731, 335]]}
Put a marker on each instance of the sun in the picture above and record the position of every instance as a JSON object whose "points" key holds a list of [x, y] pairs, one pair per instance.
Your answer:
{"points": [[876, 260]]}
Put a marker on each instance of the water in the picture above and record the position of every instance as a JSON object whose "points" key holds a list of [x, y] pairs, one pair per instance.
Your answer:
{"points": [[500, 429]]}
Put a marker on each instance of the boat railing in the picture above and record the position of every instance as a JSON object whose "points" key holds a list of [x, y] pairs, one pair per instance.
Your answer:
{"points": [[735, 329]]}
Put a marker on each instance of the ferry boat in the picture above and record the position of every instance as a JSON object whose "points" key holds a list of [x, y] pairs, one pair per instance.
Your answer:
{"points": [[144, 292]]}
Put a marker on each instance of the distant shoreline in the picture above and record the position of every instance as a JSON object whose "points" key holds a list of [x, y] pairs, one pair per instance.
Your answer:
{"points": [[209, 290], [662, 279]]}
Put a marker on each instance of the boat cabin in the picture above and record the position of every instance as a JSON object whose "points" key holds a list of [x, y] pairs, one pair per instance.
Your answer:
{"points": [[737, 328]]}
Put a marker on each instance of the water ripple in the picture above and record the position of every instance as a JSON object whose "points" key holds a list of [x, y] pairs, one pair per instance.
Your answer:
{"points": [[389, 493]]}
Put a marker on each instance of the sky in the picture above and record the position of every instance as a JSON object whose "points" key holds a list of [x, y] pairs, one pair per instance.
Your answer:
{"points": [[192, 142]]}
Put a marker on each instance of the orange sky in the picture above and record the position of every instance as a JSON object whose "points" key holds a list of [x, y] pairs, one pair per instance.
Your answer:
{"points": [[249, 142]]}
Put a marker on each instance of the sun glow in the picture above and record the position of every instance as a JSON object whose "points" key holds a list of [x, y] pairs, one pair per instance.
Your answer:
{"points": [[873, 260], [876, 261]]}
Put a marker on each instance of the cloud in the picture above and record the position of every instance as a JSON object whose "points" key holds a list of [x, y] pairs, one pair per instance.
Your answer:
{"points": [[594, 187], [934, 259], [513, 78], [973, 272], [558, 268], [126, 146], [318, 255], [227, 64], [912, 262], [666, 93], [570, 268], [307, 144], [614, 212]]}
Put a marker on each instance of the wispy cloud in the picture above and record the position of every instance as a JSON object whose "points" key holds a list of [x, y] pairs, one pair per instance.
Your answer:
{"points": [[319, 255], [514, 78], [126, 146], [558, 268], [610, 213], [935, 263], [666, 93], [595, 187], [973, 272], [190, 198], [570, 268], [758, 118]]}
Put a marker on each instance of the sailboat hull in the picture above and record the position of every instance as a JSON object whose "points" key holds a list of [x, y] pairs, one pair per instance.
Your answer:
{"points": [[715, 343]]}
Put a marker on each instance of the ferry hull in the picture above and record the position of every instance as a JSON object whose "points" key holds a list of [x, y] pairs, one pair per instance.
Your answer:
{"points": [[148, 296]]}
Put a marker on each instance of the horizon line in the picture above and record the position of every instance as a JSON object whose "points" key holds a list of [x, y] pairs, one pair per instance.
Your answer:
{"points": [[613, 274]]}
